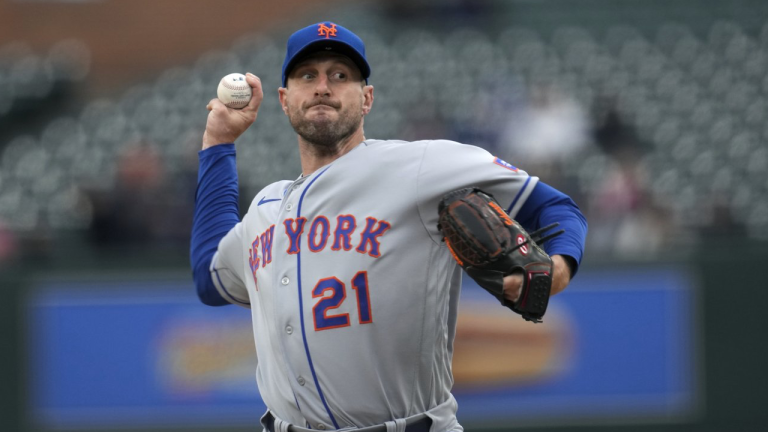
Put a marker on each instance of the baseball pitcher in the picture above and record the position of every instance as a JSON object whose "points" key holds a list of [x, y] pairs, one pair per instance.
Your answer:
{"points": [[352, 270]]}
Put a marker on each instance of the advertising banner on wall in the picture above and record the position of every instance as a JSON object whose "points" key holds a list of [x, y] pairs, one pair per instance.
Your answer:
{"points": [[617, 346]]}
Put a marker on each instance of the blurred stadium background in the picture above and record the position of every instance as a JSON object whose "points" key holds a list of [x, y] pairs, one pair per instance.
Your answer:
{"points": [[651, 114]]}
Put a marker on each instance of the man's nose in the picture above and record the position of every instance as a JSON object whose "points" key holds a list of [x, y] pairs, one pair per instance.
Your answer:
{"points": [[321, 86]]}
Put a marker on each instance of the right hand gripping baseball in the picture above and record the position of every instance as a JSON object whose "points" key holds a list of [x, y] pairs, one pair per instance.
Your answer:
{"points": [[224, 124], [490, 245]]}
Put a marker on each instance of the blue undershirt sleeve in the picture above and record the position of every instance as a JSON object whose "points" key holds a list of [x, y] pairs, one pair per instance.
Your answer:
{"points": [[547, 205], [216, 212]]}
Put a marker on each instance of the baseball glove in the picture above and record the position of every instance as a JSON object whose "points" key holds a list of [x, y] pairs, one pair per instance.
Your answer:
{"points": [[489, 245]]}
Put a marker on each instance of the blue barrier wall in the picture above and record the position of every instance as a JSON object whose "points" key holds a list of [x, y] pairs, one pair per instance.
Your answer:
{"points": [[617, 345]]}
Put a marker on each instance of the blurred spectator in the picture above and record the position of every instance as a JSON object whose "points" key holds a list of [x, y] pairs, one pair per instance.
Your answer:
{"points": [[547, 132], [136, 211], [625, 222], [611, 132], [642, 233], [553, 126]]}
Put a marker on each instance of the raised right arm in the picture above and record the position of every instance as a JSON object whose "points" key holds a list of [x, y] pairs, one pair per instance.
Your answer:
{"points": [[216, 212], [216, 198]]}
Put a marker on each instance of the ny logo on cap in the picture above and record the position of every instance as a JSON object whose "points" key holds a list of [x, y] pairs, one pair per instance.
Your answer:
{"points": [[324, 30]]}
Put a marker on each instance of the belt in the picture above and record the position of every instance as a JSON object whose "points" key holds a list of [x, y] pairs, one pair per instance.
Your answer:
{"points": [[419, 423]]}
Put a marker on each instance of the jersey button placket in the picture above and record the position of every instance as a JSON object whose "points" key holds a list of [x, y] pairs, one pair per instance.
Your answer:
{"points": [[289, 329], [301, 380], [285, 280]]}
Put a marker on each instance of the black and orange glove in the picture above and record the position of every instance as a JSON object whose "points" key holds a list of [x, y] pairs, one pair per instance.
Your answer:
{"points": [[490, 245]]}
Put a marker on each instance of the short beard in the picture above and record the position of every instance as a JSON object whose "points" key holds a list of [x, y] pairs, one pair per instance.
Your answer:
{"points": [[325, 136]]}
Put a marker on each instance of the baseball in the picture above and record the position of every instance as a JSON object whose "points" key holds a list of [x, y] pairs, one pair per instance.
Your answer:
{"points": [[234, 91]]}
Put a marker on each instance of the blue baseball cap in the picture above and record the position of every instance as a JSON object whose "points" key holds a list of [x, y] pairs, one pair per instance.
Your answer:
{"points": [[325, 36]]}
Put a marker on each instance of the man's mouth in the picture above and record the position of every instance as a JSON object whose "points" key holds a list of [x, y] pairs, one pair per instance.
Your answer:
{"points": [[321, 104]]}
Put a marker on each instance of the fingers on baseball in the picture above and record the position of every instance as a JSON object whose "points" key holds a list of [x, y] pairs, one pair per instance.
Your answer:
{"points": [[253, 80], [257, 92]]}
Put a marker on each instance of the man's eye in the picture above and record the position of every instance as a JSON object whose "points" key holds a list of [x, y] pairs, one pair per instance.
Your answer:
{"points": [[306, 76], [339, 75]]}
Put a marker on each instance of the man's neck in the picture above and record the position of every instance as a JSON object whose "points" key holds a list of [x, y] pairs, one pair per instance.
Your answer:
{"points": [[312, 158]]}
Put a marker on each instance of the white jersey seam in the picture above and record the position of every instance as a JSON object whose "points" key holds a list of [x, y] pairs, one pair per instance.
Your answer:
{"points": [[418, 196], [222, 289]]}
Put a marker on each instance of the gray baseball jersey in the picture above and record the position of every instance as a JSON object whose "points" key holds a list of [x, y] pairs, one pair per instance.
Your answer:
{"points": [[353, 294]]}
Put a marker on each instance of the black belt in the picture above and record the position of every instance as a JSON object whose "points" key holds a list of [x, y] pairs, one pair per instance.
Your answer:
{"points": [[420, 425]]}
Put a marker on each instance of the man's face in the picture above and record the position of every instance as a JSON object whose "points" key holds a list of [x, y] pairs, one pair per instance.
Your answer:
{"points": [[325, 99]]}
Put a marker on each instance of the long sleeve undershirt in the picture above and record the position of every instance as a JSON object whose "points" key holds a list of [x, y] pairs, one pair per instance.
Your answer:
{"points": [[216, 212]]}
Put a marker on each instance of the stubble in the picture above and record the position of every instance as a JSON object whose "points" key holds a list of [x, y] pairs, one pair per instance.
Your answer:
{"points": [[325, 135]]}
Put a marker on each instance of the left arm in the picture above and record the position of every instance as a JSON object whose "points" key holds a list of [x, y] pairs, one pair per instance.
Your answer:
{"points": [[561, 274], [544, 206]]}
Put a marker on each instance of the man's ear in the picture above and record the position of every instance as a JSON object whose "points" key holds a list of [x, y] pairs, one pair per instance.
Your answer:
{"points": [[367, 99], [282, 93]]}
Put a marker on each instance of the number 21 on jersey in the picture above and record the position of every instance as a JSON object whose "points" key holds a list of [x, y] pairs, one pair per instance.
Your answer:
{"points": [[338, 293]]}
